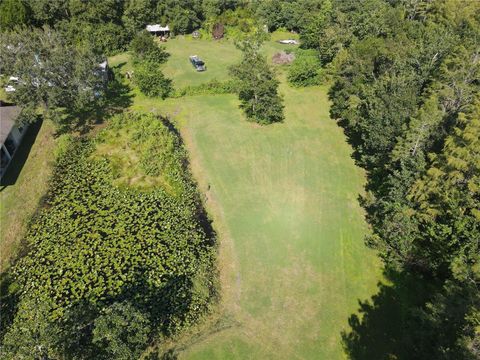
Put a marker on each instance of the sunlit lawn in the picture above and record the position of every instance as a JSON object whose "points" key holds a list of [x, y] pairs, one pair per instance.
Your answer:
{"points": [[284, 201]]}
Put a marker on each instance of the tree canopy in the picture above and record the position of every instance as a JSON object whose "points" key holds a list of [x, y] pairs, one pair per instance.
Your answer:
{"points": [[52, 74], [257, 85]]}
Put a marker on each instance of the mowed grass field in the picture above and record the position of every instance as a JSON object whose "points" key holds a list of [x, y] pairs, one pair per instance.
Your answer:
{"points": [[283, 198]]}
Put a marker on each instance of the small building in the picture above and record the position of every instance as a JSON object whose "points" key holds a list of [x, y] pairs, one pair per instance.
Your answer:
{"points": [[11, 134], [104, 70], [158, 30]]}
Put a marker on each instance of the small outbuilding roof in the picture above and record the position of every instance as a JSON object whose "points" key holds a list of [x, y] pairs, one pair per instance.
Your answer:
{"points": [[8, 114], [157, 27]]}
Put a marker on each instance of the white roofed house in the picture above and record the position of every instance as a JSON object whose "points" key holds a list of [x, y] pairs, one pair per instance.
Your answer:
{"points": [[11, 134], [158, 30]]}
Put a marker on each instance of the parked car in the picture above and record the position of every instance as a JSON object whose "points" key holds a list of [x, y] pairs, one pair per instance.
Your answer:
{"points": [[197, 63]]}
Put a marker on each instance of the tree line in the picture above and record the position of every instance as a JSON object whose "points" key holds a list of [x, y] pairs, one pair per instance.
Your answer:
{"points": [[406, 85]]}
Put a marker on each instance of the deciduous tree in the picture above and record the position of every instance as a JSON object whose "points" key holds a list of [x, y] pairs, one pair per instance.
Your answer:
{"points": [[258, 87], [52, 74]]}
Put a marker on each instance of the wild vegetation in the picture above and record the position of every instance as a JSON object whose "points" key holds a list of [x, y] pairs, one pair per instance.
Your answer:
{"points": [[121, 253], [305, 69], [98, 250], [406, 92]]}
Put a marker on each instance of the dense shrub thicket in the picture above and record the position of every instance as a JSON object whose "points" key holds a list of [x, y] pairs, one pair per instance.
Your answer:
{"points": [[95, 245], [305, 69]]}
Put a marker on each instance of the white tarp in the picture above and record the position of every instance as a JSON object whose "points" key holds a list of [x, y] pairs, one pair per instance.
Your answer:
{"points": [[157, 28]]}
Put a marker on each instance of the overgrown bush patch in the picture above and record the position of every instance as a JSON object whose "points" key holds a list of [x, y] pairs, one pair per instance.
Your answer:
{"points": [[98, 244]]}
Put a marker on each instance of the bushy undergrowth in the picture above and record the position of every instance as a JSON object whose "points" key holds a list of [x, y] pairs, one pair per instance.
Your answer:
{"points": [[142, 153], [306, 69], [95, 244], [212, 87]]}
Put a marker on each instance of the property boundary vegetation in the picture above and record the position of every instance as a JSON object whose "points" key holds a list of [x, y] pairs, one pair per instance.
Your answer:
{"points": [[97, 251]]}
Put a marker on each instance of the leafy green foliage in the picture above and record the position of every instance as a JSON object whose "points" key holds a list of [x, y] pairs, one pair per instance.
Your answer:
{"points": [[258, 87], [105, 38], [137, 14], [121, 331], [95, 243], [406, 92], [305, 69], [147, 57], [292, 15], [13, 13], [150, 80], [144, 48], [238, 23], [32, 335], [52, 74], [212, 87]]}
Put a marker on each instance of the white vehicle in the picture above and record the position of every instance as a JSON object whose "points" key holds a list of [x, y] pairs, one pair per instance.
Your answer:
{"points": [[289, 41], [13, 79], [10, 89]]}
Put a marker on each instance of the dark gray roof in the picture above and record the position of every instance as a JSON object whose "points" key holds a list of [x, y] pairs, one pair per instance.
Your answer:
{"points": [[8, 114]]}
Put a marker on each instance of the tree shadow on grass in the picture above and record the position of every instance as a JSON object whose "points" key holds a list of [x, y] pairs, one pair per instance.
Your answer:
{"points": [[398, 323], [8, 302], [118, 97]]}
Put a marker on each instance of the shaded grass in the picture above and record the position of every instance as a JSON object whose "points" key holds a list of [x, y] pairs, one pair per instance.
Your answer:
{"points": [[32, 166]]}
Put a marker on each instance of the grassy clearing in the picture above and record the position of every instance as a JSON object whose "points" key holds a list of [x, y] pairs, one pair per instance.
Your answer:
{"points": [[218, 56], [284, 201], [23, 186]]}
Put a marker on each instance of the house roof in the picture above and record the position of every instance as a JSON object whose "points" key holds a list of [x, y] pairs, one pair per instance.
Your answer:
{"points": [[8, 114], [157, 27]]}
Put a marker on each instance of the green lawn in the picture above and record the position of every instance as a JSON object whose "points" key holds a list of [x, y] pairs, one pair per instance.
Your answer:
{"points": [[218, 56], [284, 202], [23, 186]]}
